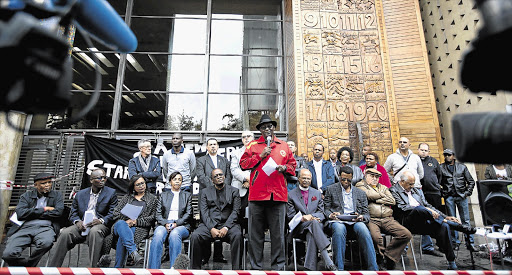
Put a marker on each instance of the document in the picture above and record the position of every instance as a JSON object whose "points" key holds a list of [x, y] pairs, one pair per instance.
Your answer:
{"points": [[131, 211], [88, 217], [270, 166], [295, 221], [14, 219]]}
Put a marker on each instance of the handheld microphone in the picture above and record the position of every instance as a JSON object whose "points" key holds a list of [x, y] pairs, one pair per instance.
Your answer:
{"points": [[269, 139], [101, 20]]}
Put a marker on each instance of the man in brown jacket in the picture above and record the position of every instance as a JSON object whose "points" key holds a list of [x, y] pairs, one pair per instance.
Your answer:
{"points": [[380, 201]]}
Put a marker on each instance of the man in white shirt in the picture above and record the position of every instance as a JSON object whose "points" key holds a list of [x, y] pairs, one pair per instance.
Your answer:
{"points": [[404, 159], [179, 159], [321, 170]]}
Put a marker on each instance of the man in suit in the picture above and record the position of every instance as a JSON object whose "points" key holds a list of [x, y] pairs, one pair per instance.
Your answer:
{"points": [[301, 163], [219, 205], [342, 199], [146, 165], [321, 170], [205, 165], [422, 218], [100, 201], [308, 201], [39, 210], [241, 178]]}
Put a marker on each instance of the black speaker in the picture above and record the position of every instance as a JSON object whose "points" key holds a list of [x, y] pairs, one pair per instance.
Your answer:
{"points": [[495, 201]]}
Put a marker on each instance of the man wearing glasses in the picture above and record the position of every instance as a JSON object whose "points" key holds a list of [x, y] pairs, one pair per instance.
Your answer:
{"points": [[404, 160], [91, 215], [270, 160], [457, 185], [146, 165], [380, 201], [219, 205], [38, 213], [347, 210]]}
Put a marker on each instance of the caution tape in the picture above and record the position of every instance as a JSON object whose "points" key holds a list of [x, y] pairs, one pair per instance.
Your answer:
{"points": [[140, 271], [6, 185]]}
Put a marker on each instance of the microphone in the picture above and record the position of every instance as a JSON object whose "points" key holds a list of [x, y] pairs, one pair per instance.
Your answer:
{"points": [[182, 262], [101, 20], [269, 139]]}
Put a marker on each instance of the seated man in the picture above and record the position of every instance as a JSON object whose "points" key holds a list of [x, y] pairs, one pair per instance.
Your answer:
{"points": [[380, 201], [422, 218], [39, 210], [309, 202], [219, 205], [100, 201], [341, 198]]}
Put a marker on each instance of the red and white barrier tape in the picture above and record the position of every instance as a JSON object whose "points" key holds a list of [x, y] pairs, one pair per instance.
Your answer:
{"points": [[139, 271]]}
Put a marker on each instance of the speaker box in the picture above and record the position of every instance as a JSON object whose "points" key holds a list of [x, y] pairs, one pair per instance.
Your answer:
{"points": [[495, 201]]}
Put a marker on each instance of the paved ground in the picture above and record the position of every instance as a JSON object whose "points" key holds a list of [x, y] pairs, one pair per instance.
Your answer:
{"points": [[425, 262]]}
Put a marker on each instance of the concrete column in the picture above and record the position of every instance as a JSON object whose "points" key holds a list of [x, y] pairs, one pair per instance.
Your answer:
{"points": [[10, 146], [473, 200]]}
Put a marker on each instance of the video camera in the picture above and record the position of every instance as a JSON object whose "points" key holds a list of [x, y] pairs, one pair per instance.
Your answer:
{"points": [[487, 137], [39, 73]]}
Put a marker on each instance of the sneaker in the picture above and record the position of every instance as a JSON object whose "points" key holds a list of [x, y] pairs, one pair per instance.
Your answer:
{"points": [[433, 252], [452, 266], [104, 261], [137, 258], [332, 267]]}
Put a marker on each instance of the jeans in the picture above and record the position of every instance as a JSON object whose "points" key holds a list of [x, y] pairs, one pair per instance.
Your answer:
{"points": [[125, 242], [463, 207], [175, 238], [426, 243], [339, 242]]}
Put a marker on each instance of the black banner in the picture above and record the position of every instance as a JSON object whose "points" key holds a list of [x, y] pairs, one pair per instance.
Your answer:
{"points": [[113, 157]]}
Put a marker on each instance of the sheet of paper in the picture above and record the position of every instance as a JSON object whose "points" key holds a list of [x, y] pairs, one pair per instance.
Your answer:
{"points": [[270, 166], [295, 221], [131, 211], [88, 217], [14, 219]]}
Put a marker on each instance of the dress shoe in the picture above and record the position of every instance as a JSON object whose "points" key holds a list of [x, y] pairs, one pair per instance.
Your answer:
{"points": [[381, 267], [433, 252], [452, 266], [220, 260], [137, 258], [464, 228]]}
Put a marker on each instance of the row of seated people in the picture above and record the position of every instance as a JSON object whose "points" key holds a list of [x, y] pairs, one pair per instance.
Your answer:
{"points": [[369, 203]]}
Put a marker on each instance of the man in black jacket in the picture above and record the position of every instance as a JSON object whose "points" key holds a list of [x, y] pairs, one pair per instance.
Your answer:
{"points": [[38, 211], [457, 185], [219, 205], [432, 191]]}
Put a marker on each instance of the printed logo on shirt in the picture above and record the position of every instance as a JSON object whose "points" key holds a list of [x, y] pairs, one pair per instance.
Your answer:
{"points": [[283, 153], [430, 164]]}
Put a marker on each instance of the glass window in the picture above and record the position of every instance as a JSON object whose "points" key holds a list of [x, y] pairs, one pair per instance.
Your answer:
{"points": [[84, 73], [100, 117], [157, 72], [269, 9], [169, 7]]}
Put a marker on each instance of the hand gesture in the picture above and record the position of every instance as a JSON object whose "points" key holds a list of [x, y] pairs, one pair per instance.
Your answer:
{"points": [[94, 222], [266, 152]]}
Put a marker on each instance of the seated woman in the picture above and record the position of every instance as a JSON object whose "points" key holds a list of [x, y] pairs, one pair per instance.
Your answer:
{"points": [[127, 232], [173, 216]]}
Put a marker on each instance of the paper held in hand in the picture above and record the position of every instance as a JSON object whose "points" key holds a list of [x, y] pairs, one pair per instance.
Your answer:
{"points": [[89, 215], [270, 166], [295, 221], [131, 211]]}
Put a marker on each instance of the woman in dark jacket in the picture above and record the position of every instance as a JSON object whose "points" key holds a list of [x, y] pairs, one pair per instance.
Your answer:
{"points": [[173, 216], [128, 232]]}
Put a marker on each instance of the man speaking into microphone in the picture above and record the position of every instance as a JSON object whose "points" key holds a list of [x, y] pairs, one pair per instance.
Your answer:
{"points": [[269, 160]]}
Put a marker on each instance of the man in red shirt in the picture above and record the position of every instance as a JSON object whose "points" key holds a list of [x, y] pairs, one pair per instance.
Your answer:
{"points": [[270, 160]]}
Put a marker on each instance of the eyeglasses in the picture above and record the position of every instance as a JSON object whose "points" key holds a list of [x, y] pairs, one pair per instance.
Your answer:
{"points": [[345, 179], [374, 176], [146, 147], [401, 141], [100, 178], [248, 136], [267, 126], [447, 155], [218, 175], [140, 184]]}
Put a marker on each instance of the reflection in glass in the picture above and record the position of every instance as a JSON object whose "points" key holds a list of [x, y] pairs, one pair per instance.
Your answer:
{"points": [[100, 117], [226, 74], [248, 8], [143, 111], [84, 73], [186, 73], [184, 112], [241, 112]]}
